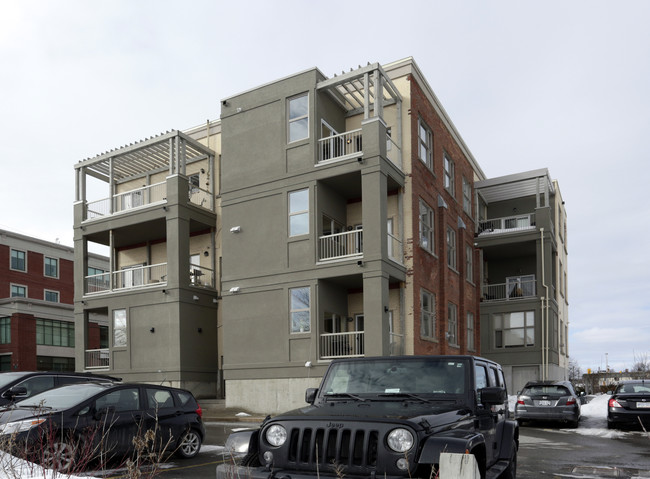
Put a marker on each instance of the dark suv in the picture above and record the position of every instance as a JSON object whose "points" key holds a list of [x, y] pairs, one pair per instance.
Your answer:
{"points": [[386, 417], [17, 385]]}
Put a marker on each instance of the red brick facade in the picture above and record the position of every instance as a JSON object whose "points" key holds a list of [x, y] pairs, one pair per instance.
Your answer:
{"points": [[430, 271]]}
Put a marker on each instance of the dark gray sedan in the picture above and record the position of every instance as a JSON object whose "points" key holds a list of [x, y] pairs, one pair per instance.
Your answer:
{"points": [[629, 406], [548, 401]]}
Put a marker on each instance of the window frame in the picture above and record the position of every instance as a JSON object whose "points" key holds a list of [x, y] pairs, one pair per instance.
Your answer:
{"points": [[5, 330], [428, 316], [294, 326], [14, 285], [51, 291], [293, 120], [452, 249], [452, 324], [528, 328], [11, 260], [52, 332], [471, 340], [298, 213], [469, 263], [123, 342], [430, 233], [449, 174], [425, 143], [46, 265], [467, 196]]}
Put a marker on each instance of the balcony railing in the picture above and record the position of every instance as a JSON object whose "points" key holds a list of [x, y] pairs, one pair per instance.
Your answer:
{"points": [[201, 276], [509, 291], [341, 345], [393, 152], [201, 198], [145, 196], [507, 224], [348, 244], [341, 146], [130, 278], [97, 359], [396, 344], [395, 251]]}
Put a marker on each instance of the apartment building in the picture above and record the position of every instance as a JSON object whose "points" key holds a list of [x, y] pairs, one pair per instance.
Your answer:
{"points": [[153, 206], [36, 304], [522, 236], [348, 229]]}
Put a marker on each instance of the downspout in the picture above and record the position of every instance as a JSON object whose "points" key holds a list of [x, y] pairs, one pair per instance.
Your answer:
{"points": [[544, 313]]}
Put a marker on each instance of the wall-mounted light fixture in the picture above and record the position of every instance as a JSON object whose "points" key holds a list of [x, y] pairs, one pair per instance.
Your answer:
{"points": [[234, 289], [165, 208], [164, 291], [224, 102], [202, 170], [84, 302], [152, 330], [235, 229], [195, 298], [206, 253], [360, 264], [360, 159], [308, 364], [200, 330], [385, 309]]}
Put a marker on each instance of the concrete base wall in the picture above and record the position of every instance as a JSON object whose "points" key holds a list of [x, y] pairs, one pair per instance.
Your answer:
{"points": [[268, 396]]}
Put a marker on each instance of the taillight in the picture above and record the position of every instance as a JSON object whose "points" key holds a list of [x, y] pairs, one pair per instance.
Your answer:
{"points": [[520, 401], [199, 411], [614, 403], [571, 401]]}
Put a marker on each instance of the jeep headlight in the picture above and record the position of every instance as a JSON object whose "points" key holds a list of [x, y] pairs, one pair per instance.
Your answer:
{"points": [[20, 426], [276, 435], [400, 440]]}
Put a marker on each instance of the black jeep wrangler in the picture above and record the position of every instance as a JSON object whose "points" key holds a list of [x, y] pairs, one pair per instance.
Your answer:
{"points": [[386, 417]]}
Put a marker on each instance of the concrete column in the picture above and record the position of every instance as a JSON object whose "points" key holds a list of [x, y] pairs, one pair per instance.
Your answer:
{"points": [[178, 233], [375, 300]]}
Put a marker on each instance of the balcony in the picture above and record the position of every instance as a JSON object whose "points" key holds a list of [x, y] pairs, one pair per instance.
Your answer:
{"points": [[97, 359], [341, 345], [510, 291], [339, 246], [340, 147], [507, 224], [126, 279]]}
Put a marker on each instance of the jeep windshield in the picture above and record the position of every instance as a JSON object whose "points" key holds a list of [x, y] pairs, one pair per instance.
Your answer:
{"points": [[382, 379]]}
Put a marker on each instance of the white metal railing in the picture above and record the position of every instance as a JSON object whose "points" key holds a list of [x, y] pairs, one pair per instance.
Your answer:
{"points": [[201, 276], [393, 152], [341, 345], [97, 359], [396, 344], [127, 200], [129, 278], [348, 244], [395, 250], [338, 147], [507, 224], [509, 291], [200, 197]]}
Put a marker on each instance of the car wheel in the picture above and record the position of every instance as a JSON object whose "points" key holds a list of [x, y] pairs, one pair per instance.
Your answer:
{"points": [[189, 445], [511, 471], [59, 456]]}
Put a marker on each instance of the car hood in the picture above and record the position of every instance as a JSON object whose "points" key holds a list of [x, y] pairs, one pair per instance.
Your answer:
{"points": [[19, 413]]}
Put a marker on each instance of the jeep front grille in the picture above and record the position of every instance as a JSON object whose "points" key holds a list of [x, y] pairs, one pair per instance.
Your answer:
{"points": [[333, 447]]}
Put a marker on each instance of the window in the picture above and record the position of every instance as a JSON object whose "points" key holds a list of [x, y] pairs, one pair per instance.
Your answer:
{"points": [[428, 314], [481, 376], [449, 174], [467, 196], [51, 267], [18, 260], [159, 398], [18, 291], [52, 296], [54, 363], [426, 227], [425, 150], [50, 332], [514, 330], [5, 362], [470, 332], [121, 400], [299, 212], [451, 248], [119, 328], [93, 271], [298, 117], [299, 310], [469, 263], [452, 322], [5, 330]]}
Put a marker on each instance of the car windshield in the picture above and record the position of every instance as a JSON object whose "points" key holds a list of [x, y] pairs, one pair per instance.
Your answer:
{"points": [[63, 397], [403, 377], [641, 388], [544, 390], [6, 378]]}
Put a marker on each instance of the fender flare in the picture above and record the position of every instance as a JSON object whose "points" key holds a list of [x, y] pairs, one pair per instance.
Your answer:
{"points": [[509, 435], [242, 442], [434, 445]]}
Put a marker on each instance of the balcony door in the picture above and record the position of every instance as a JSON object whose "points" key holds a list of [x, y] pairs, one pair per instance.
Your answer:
{"points": [[329, 148], [133, 275]]}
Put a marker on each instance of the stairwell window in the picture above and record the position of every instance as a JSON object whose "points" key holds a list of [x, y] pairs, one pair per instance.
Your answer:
{"points": [[299, 310], [449, 174], [427, 314], [426, 227], [298, 115], [514, 330], [452, 260], [299, 212], [425, 151]]}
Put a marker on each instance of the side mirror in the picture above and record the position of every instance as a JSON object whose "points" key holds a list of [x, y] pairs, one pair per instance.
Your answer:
{"points": [[310, 395], [490, 396], [16, 392]]}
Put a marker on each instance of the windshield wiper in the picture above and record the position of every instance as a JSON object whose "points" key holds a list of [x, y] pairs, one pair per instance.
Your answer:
{"points": [[344, 396], [417, 397]]}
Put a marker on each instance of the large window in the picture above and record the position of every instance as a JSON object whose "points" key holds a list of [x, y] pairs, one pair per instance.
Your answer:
{"points": [[425, 151], [119, 328], [51, 267], [51, 296], [299, 310], [50, 332], [18, 291], [514, 330], [452, 260], [5, 330], [428, 314], [467, 196], [471, 345], [298, 117], [449, 174], [299, 212], [18, 260], [452, 324], [426, 227]]}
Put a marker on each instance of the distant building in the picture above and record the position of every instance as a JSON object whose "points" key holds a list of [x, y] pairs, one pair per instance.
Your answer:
{"points": [[36, 304]]}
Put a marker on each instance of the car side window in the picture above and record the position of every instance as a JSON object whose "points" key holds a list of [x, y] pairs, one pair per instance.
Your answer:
{"points": [[185, 397], [481, 376], [36, 385], [121, 400], [493, 377], [159, 398]]}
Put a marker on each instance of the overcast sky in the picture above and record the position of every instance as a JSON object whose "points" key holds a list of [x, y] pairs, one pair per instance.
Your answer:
{"points": [[562, 85]]}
